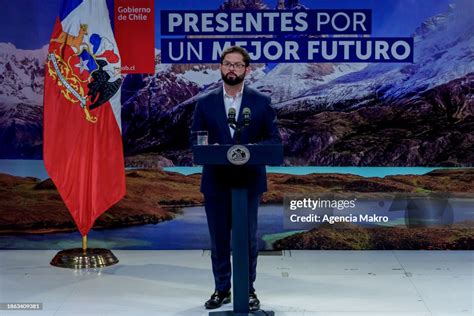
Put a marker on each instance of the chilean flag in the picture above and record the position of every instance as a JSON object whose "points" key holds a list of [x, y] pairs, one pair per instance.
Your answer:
{"points": [[82, 128]]}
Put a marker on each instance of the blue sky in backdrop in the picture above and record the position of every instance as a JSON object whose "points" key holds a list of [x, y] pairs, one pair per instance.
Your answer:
{"points": [[28, 23]]}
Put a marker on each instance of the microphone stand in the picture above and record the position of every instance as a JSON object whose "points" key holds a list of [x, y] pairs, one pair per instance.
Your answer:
{"points": [[236, 126], [238, 129]]}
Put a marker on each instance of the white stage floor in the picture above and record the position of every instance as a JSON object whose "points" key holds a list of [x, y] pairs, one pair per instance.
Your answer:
{"points": [[305, 283]]}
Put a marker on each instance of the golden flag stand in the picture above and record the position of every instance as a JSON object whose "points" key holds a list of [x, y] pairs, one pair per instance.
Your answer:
{"points": [[84, 258]]}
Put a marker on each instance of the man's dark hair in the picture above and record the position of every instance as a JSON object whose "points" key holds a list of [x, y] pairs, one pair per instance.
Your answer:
{"points": [[236, 49]]}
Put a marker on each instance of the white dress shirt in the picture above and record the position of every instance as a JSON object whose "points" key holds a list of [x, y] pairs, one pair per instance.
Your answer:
{"points": [[231, 102]]}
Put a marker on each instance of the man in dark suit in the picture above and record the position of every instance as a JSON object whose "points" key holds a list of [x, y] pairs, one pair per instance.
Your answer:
{"points": [[211, 115]]}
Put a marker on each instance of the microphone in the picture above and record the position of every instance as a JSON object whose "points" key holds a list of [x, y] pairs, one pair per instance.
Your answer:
{"points": [[231, 117], [246, 115]]}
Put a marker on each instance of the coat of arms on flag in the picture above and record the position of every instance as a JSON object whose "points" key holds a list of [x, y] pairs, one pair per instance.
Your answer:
{"points": [[81, 63], [82, 127]]}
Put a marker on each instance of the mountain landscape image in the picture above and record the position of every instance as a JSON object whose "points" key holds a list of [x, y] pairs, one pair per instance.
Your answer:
{"points": [[418, 114], [331, 114]]}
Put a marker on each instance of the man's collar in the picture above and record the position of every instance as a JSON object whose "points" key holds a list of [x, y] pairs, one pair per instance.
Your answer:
{"points": [[238, 93]]}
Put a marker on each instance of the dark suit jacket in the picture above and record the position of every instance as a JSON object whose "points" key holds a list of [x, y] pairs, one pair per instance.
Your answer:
{"points": [[210, 116]]}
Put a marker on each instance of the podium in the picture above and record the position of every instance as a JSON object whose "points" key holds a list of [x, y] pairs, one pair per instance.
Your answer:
{"points": [[239, 155]]}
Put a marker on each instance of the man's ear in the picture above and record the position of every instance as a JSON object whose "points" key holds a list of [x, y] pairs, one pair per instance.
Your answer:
{"points": [[247, 70]]}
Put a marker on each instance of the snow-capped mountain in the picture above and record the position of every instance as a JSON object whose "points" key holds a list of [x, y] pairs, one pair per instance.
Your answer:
{"points": [[147, 101], [444, 51], [21, 98], [287, 81], [21, 74], [394, 114]]}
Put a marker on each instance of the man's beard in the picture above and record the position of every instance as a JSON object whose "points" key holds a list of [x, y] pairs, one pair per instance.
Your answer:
{"points": [[232, 80]]}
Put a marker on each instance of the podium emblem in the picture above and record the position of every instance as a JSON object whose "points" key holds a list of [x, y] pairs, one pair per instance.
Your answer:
{"points": [[238, 155]]}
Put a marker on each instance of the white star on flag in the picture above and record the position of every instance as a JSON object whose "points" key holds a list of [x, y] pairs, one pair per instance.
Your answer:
{"points": [[82, 65]]}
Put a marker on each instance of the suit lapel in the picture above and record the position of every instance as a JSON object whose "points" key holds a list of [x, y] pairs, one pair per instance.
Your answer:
{"points": [[222, 115], [245, 103], [246, 100]]}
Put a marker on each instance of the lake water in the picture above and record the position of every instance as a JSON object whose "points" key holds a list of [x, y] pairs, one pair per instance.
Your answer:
{"points": [[35, 168], [189, 230], [304, 170]]}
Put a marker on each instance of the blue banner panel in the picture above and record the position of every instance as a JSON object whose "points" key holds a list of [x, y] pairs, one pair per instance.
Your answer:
{"points": [[292, 50], [265, 22]]}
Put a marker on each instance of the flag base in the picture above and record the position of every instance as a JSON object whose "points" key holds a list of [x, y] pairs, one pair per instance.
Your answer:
{"points": [[77, 258]]}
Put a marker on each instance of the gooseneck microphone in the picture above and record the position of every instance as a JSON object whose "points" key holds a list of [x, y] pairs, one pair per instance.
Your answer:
{"points": [[246, 116], [231, 117], [238, 126]]}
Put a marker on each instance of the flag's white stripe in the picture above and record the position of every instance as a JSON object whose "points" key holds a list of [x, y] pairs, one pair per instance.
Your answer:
{"points": [[95, 14]]}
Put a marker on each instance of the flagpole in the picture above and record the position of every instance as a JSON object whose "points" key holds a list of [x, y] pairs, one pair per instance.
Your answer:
{"points": [[60, 153], [84, 243]]}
